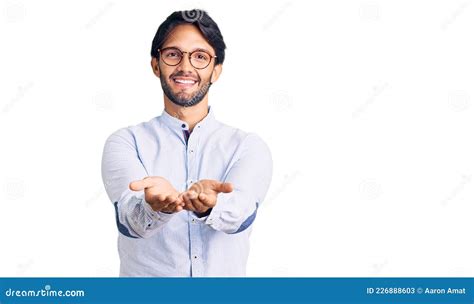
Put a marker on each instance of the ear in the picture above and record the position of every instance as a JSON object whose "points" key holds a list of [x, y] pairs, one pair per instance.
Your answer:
{"points": [[155, 67], [216, 73]]}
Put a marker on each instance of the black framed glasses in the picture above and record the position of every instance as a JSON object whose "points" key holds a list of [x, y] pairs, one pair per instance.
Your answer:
{"points": [[199, 59]]}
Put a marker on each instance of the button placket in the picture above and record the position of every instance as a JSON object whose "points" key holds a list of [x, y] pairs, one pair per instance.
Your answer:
{"points": [[190, 155], [196, 247], [194, 227]]}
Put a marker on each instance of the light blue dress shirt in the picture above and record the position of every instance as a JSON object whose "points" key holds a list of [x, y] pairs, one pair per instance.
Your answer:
{"points": [[182, 244]]}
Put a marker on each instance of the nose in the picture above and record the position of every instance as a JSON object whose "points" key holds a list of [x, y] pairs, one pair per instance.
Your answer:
{"points": [[185, 64]]}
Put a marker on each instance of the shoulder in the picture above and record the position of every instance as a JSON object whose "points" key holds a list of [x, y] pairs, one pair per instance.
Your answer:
{"points": [[130, 133], [245, 140]]}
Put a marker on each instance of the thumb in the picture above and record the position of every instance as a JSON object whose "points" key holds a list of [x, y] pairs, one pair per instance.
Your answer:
{"points": [[223, 187], [139, 185], [205, 199]]}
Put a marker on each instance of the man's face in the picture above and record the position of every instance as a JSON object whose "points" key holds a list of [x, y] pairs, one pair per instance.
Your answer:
{"points": [[184, 84]]}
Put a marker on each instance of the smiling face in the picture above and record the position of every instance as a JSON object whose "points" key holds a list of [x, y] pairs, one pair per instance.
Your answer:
{"points": [[183, 84]]}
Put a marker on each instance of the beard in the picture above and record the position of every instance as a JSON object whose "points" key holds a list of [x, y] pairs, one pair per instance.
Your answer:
{"points": [[184, 99]]}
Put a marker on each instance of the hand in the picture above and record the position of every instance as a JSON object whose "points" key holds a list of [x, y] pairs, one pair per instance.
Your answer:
{"points": [[159, 193], [202, 195]]}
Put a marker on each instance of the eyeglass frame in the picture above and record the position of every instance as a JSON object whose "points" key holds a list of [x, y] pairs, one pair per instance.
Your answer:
{"points": [[189, 56]]}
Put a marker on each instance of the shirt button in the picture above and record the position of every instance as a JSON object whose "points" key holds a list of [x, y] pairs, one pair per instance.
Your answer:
{"points": [[195, 257], [193, 220], [183, 126], [191, 151]]}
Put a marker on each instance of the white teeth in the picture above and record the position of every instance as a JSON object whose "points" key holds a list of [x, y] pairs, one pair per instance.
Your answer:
{"points": [[184, 81]]}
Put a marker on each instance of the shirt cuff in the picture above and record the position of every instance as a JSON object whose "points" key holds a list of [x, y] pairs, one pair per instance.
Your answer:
{"points": [[155, 215], [204, 214]]}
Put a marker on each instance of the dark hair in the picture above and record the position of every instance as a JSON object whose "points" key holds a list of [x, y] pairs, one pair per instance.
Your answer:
{"points": [[201, 20]]}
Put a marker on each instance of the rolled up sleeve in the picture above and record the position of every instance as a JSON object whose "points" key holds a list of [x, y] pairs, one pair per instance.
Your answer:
{"points": [[121, 165], [250, 176]]}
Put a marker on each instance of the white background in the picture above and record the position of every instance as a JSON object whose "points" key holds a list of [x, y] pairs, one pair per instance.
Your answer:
{"points": [[366, 105]]}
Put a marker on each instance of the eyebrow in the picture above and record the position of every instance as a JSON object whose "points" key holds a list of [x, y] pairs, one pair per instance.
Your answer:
{"points": [[196, 49]]}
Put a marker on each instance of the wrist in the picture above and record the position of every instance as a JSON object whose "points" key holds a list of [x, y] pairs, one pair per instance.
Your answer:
{"points": [[203, 214]]}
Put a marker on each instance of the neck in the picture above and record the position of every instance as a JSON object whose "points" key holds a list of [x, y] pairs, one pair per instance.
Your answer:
{"points": [[190, 115]]}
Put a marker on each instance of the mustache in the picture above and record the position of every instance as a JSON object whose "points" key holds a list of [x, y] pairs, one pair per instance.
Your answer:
{"points": [[183, 74]]}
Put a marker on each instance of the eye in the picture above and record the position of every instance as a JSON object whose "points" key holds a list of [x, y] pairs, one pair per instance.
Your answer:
{"points": [[172, 54], [201, 56]]}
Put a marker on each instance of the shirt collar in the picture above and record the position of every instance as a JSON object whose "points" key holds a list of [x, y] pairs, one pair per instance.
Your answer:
{"points": [[175, 123]]}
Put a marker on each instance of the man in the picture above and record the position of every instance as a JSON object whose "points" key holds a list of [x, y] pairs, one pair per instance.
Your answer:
{"points": [[185, 187]]}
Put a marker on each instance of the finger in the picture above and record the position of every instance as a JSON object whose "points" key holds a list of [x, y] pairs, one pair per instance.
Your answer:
{"points": [[170, 199], [205, 199], [223, 187], [174, 203], [168, 209], [180, 200], [159, 206], [141, 184], [192, 194], [197, 187], [161, 198], [188, 205], [168, 205], [158, 202], [200, 207]]}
